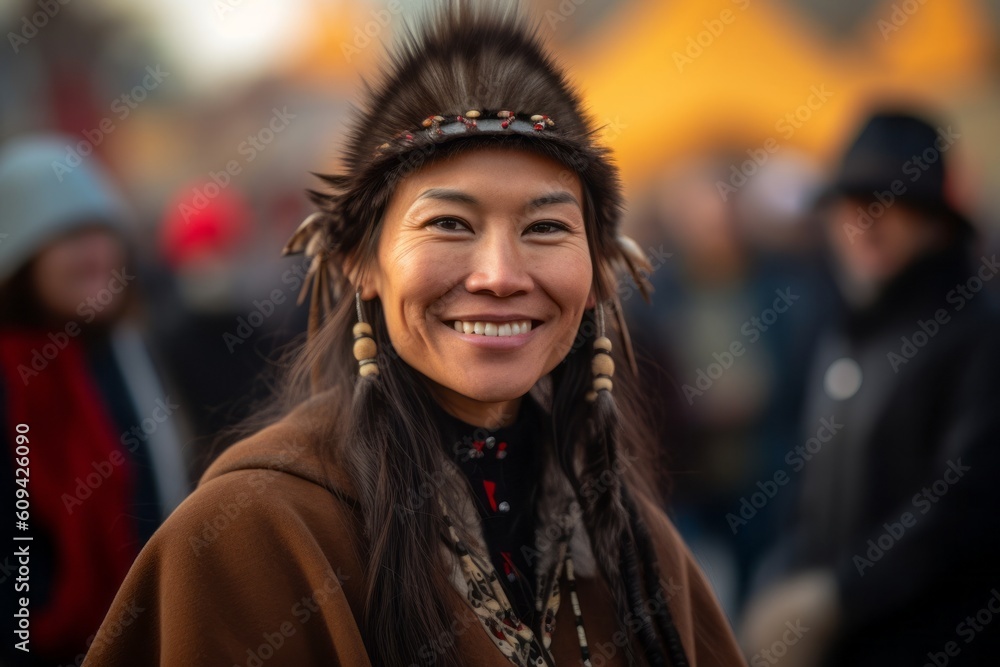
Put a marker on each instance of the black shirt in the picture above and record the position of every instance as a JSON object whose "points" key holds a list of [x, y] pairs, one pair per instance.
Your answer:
{"points": [[502, 466]]}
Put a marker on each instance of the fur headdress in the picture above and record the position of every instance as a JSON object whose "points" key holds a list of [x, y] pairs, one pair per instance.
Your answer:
{"points": [[471, 73]]}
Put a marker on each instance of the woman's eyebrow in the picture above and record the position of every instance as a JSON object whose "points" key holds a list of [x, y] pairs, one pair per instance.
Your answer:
{"points": [[558, 197], [452, 195], [446, 194]]}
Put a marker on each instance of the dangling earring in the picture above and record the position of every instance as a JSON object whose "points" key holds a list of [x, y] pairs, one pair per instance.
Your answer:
{"points": [[364, 343], [602, 365]]}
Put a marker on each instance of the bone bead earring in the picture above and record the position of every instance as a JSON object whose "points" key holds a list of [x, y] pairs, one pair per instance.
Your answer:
{"points": [[602, 365], [364, 343]]}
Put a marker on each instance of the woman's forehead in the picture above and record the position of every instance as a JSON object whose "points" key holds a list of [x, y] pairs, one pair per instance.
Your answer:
{"points": [[469, 175]]}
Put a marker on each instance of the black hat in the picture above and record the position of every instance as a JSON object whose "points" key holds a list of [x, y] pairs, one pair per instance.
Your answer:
{"points": [[469, 73], [898, 156]]}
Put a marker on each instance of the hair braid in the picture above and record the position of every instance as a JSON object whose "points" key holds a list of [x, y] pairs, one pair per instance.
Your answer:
{"points": [[633, 583], [620, 538], [654, 589]]}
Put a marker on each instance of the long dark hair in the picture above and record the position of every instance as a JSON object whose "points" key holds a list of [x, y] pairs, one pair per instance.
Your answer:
{"points": [[381, 430]]}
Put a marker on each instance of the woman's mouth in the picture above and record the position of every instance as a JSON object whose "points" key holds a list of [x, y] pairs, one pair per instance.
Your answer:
{"points": [[497, 329]]}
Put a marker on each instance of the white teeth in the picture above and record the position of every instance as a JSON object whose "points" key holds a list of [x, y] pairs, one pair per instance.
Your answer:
{"points": [[492, 328]]}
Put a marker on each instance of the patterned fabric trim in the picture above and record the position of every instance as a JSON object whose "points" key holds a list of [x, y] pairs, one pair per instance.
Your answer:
{"points": [[561, 545], [487, 598]]}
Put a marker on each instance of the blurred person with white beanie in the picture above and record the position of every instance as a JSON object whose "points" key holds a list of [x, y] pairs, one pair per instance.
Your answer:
{"points": [[87, 428]]}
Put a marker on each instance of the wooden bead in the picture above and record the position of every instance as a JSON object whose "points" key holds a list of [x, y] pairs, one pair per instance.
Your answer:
{"points": [[603, 343], [602, 383], [472, 113], [591, 396], [603, 364], [370, 368], [362, 329], [364, 348]]}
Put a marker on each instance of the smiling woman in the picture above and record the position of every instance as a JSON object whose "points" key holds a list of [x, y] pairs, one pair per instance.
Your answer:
{"points": [[448, 464], [503, 261]]}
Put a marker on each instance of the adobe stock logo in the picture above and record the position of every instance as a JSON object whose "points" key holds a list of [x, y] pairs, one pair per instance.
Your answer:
{"points": [[121, 108], [796, 458], [30, 25], [776, 651], [926, 330], [753, 328], [699, 43], [88, 309], [249, 149], [787, 125], [923, 501], [968, 629], [900, 16], [915, 167], [104, 468], [368, 34]]}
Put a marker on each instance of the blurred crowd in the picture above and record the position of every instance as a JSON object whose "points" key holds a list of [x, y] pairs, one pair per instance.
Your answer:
{"points": [[820, 340]]}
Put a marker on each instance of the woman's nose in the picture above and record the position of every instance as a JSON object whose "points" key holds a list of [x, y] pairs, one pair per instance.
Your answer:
{"points": [[499, 266]]}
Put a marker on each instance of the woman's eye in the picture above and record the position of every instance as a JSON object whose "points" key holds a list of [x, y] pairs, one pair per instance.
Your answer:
{"points": [[448, 224], [548, 227]]}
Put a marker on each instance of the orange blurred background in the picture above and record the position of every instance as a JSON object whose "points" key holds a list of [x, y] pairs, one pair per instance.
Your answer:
{"points": [[231, 61]]}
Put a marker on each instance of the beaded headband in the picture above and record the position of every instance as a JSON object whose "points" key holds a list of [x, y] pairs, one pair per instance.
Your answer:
{"points": [[473, 120]]}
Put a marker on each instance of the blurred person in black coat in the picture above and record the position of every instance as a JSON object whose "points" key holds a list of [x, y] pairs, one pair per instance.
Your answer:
{"points": [[893, 556]]}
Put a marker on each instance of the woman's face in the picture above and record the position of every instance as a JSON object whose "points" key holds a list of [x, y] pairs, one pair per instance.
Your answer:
{"points": [[489, 239], [81, 275]]}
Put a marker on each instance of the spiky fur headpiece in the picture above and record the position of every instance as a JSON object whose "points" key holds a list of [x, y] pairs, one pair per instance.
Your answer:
{"points": [[470, 73]]}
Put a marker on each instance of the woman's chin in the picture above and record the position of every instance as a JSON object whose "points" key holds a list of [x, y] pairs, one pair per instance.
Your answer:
{"points": [[492, 392], [507, 392]]}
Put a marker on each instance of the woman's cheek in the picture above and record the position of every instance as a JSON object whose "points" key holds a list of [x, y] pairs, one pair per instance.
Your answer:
{"points": [[571, 276], [408, 315]]}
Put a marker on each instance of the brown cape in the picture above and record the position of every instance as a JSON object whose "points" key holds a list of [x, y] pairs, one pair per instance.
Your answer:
{"points": [[262, 565]]}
